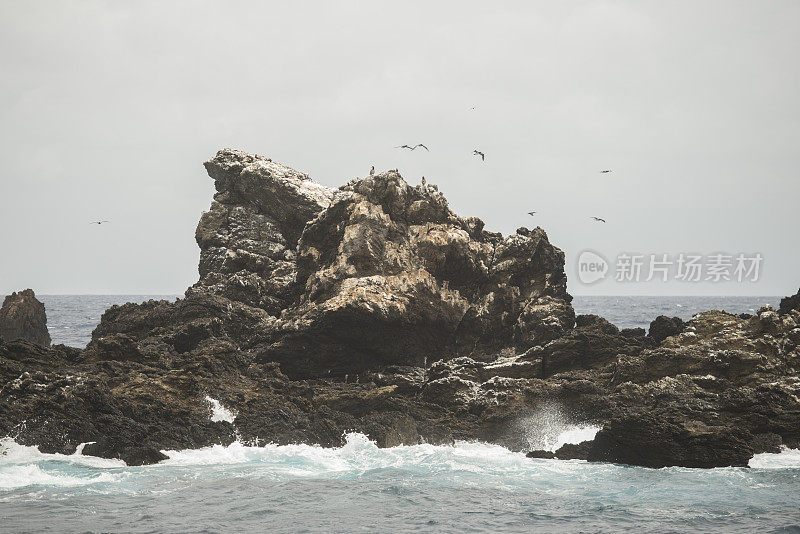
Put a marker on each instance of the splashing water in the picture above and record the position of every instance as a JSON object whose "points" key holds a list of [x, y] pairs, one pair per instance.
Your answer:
{"points": [[220, 412], [786, 459], [548, 428], [22, 466]]}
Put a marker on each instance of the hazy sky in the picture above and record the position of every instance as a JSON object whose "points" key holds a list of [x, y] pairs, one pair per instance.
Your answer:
{"points": [[108, 109]]}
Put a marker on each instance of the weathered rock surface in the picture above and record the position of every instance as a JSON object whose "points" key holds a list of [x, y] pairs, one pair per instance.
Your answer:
{"points": [[374, 308], [22, 316], [790, 303]]}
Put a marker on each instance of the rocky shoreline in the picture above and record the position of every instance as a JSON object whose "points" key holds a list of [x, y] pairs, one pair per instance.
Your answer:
{"points": [[374, 308]]}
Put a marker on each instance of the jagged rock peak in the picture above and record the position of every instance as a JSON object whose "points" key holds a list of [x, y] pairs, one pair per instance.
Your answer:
{"points": [[375, 273]]}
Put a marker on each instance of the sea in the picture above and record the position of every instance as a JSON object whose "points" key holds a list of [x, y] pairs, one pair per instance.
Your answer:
{"points": [[465, 487]]}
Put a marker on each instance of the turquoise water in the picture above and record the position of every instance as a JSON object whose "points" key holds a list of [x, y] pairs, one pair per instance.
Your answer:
{"points": [[469, 487]]}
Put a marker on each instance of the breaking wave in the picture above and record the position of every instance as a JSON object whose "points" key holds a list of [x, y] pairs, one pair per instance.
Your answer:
{"points": [[786, 459], [466, 486], [22, 466]]}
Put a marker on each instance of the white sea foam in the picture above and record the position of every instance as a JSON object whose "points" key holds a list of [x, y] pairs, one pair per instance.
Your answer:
{"points": [[20, 476], [358, 455], [22, 466], [12, 453], [220, 412], [786, 459]]}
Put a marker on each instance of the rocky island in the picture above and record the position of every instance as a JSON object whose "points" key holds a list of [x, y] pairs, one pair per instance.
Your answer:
{"points": [[374, 308]]}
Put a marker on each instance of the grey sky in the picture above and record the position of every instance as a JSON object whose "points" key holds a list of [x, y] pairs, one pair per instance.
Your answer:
{"points": [[108, 109]]}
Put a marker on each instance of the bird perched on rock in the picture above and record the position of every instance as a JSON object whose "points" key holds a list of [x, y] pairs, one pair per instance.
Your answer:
{"points": [[479, 153], [413, 147], [423, 181], [372, 170], [598, 219], [393, 170]]}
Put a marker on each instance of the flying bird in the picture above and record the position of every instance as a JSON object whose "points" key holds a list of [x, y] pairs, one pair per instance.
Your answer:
{"points": [[479, 153], [603, 172], [98, 222], [531, 213], [413, 147], [598, 219]]}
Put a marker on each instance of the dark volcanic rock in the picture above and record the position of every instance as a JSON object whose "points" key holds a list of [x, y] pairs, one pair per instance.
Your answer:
{"points": [[663, 327], [790, 303], [547, 455], [655, 442], [376, 309], [574, 451], [391, 276], [594, 342], [23, 317]]}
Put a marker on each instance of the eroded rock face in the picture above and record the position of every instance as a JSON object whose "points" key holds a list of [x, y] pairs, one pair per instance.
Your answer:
{"points": [[377, 273], [248, 238], [22, 316], [392, 276]]}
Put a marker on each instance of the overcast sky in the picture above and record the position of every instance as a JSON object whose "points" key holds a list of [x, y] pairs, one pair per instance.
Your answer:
{"points": [[108, 109]]}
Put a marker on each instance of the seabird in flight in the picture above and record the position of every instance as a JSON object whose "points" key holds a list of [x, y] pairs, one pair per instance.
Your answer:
{"points": [[97, 222], [531, 213], [413, 147], [605, 171], [599, 219], [479, 153]]}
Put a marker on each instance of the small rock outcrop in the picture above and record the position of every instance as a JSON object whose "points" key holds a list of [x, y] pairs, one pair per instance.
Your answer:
{"points": [[790, 303], [23, 317], [663, 327]]}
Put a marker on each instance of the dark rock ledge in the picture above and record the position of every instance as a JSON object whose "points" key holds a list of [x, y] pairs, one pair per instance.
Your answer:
{"points": [[375, 308]]}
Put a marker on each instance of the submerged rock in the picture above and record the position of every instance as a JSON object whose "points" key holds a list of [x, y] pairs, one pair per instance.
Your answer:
{"points": [[23, 316]]}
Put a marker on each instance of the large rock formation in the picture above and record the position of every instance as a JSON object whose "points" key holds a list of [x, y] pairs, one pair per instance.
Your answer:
{"points": [[23, 317], [336, 283], [375, 308]]}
